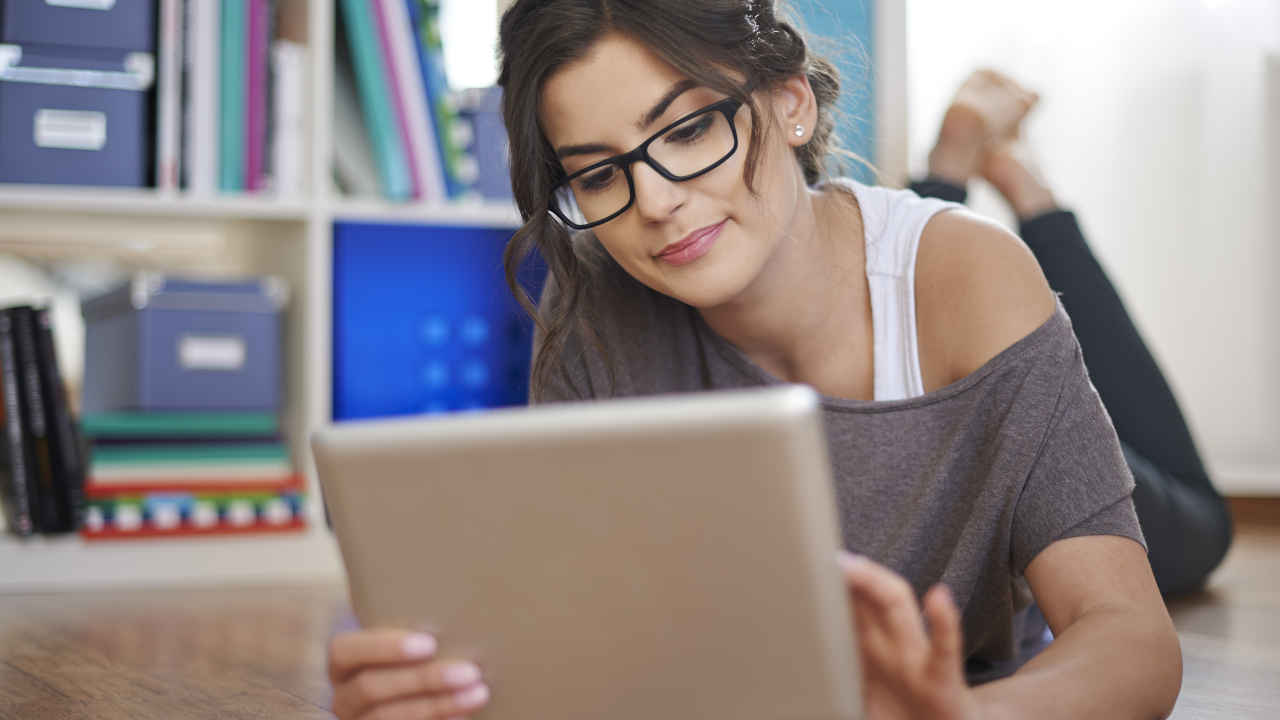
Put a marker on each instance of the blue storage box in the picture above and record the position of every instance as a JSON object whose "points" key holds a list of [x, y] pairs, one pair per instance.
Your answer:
{"points": [[423, 321], [74, 118], [128, 25], [165, 343]]}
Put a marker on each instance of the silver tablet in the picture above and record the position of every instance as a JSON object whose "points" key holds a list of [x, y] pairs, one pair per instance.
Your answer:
{"points": [[671, 556]]}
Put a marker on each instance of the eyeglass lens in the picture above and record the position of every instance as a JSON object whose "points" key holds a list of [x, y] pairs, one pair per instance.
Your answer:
{"points": [[684, 150]]}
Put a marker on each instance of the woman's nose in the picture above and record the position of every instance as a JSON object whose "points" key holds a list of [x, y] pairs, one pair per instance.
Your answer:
{"points": [[657, 198]]}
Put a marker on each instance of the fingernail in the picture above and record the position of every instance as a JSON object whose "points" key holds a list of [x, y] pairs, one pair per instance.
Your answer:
{"points": [[461, 674], [419, 645], [473, 696], [852, 561]]}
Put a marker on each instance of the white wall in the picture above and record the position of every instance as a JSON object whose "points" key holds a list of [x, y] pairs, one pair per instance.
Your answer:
{"points": [[1156, 125]]}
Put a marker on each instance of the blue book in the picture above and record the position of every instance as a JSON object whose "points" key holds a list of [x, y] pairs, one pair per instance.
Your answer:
{"points": [[425, 17], [372, 79], [231, 96]]}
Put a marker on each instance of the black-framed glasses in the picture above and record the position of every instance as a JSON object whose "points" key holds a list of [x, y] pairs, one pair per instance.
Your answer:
{"points": [[694, 145]]}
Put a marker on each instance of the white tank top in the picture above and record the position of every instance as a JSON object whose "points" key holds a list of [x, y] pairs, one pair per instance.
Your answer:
{"points": [[893, 221]]}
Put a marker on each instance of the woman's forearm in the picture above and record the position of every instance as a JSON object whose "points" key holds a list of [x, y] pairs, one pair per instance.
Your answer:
{"points": [[1110, 663]]}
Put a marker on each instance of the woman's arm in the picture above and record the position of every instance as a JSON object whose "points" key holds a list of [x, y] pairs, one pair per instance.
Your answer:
{"points": [[1115, 653]]}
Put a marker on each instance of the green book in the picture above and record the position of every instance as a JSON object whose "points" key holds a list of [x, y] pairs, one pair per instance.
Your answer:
{"points": [[179, 424]]}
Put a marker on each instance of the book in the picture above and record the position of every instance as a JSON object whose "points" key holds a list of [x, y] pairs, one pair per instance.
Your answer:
{"points": [[65, 443], [192, 454], [169, 94], [425, 16], [48, 513], [375, 100], [407, 70], [289, 111], [179, 424], [231, 96], [482, 108], [395, 85], [175, 514], [258, 41], [15, 475], [354, 170], [202, 89]]}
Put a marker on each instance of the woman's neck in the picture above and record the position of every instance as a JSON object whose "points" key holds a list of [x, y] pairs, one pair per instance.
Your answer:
{"points": [[807, 317]]}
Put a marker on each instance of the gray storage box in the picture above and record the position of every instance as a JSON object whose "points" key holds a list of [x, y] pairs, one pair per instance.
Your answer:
{"points": [[166, 343]]}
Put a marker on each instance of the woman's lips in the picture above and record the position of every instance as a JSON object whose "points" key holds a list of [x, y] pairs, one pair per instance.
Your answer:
{"points": [[697, 244]]}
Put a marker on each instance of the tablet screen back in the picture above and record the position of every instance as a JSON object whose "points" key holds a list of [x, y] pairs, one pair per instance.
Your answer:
{"points": [[657, 557]]}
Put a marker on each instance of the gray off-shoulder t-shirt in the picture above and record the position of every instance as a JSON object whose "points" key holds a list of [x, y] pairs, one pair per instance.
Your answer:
{"points": [[963, 485]]}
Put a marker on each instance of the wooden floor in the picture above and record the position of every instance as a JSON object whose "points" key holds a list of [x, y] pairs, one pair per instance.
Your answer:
{"points": [[260, 652]]}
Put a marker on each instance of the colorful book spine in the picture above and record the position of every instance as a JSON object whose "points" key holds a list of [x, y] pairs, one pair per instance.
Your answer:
{"points": [[169, 95], [179, 424], [395, 83], [425, 15], [371, 79], [47, 512], [408, 71], [184, 514], [202, 133], [288, 99], [232, 77], [15, 474], [256, 105], [68, 459]]}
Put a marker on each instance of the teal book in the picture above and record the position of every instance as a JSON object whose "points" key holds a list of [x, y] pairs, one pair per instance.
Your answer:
{"points": [[232, 90], [193, 454], [178, 424], [372, 79]]}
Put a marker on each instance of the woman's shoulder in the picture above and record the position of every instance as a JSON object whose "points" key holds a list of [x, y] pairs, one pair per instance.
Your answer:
{"points": [[979, 290]]}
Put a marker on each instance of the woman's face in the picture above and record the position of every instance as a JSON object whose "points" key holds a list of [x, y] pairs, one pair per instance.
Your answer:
{"points": [[716, 235]]}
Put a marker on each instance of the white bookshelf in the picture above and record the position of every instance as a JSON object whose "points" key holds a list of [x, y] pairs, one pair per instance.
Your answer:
{"points": [[291, 237]]}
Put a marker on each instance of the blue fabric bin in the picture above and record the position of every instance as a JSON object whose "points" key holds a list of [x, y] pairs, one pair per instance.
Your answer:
{"points": [[128, 25], [164, 343], [423, 321], [75, 118]]}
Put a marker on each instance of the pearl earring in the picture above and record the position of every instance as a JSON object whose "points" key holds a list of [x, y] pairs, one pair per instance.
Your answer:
{"points": [[799, 131]]}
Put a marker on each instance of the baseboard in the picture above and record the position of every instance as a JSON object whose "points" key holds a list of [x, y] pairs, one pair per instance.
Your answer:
{"points": [[1255, 510]]}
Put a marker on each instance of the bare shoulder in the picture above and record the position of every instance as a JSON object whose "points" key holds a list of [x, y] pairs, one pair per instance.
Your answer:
{"points": [[978, 291]]}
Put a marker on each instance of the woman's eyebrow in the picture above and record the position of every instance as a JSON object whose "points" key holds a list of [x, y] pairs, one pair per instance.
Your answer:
{"points": [[645, 121], [656, 111]]}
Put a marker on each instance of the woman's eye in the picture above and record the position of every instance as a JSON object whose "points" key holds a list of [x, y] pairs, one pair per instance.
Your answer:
{"points": [[598, 180], [692, 131]]}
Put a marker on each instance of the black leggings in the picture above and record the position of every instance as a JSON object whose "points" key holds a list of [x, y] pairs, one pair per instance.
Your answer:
{"points": [[1185, 521]]}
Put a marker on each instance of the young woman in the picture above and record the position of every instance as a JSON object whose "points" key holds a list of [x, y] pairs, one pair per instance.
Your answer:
{"points": [[667, 157]]}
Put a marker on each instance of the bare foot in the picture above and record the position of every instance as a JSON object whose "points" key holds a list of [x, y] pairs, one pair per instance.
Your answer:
{"points": [[1009, 167], [987, 109]]}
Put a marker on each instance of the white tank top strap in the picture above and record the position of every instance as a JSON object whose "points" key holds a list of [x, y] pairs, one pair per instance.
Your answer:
{"points": [[893, 221]]}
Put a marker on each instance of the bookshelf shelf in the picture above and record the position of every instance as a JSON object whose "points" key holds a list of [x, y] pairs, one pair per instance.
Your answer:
{"points": [[480, 214], [70, 562], [288, 237], [149, 202]]}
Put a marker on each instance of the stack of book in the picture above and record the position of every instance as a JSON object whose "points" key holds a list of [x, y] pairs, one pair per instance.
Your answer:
{"points": [[179, 473], [41, 467], [415, 145], [230, 102]]}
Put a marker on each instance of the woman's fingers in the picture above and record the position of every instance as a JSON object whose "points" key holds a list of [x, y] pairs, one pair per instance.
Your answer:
{"points": [[891, 600], [379, 685], [945, 634], [352, 651], [429, 708]]}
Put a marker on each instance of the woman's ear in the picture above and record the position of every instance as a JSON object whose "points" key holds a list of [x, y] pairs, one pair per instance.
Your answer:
{"points": [[796, 109]]}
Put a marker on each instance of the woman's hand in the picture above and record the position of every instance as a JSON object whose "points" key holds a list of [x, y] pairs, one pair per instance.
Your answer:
{"points": [[393, 674], [907, 671]]}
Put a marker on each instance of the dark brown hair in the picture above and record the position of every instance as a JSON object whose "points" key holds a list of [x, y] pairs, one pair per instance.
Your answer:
{"points": [[699, 38]]}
